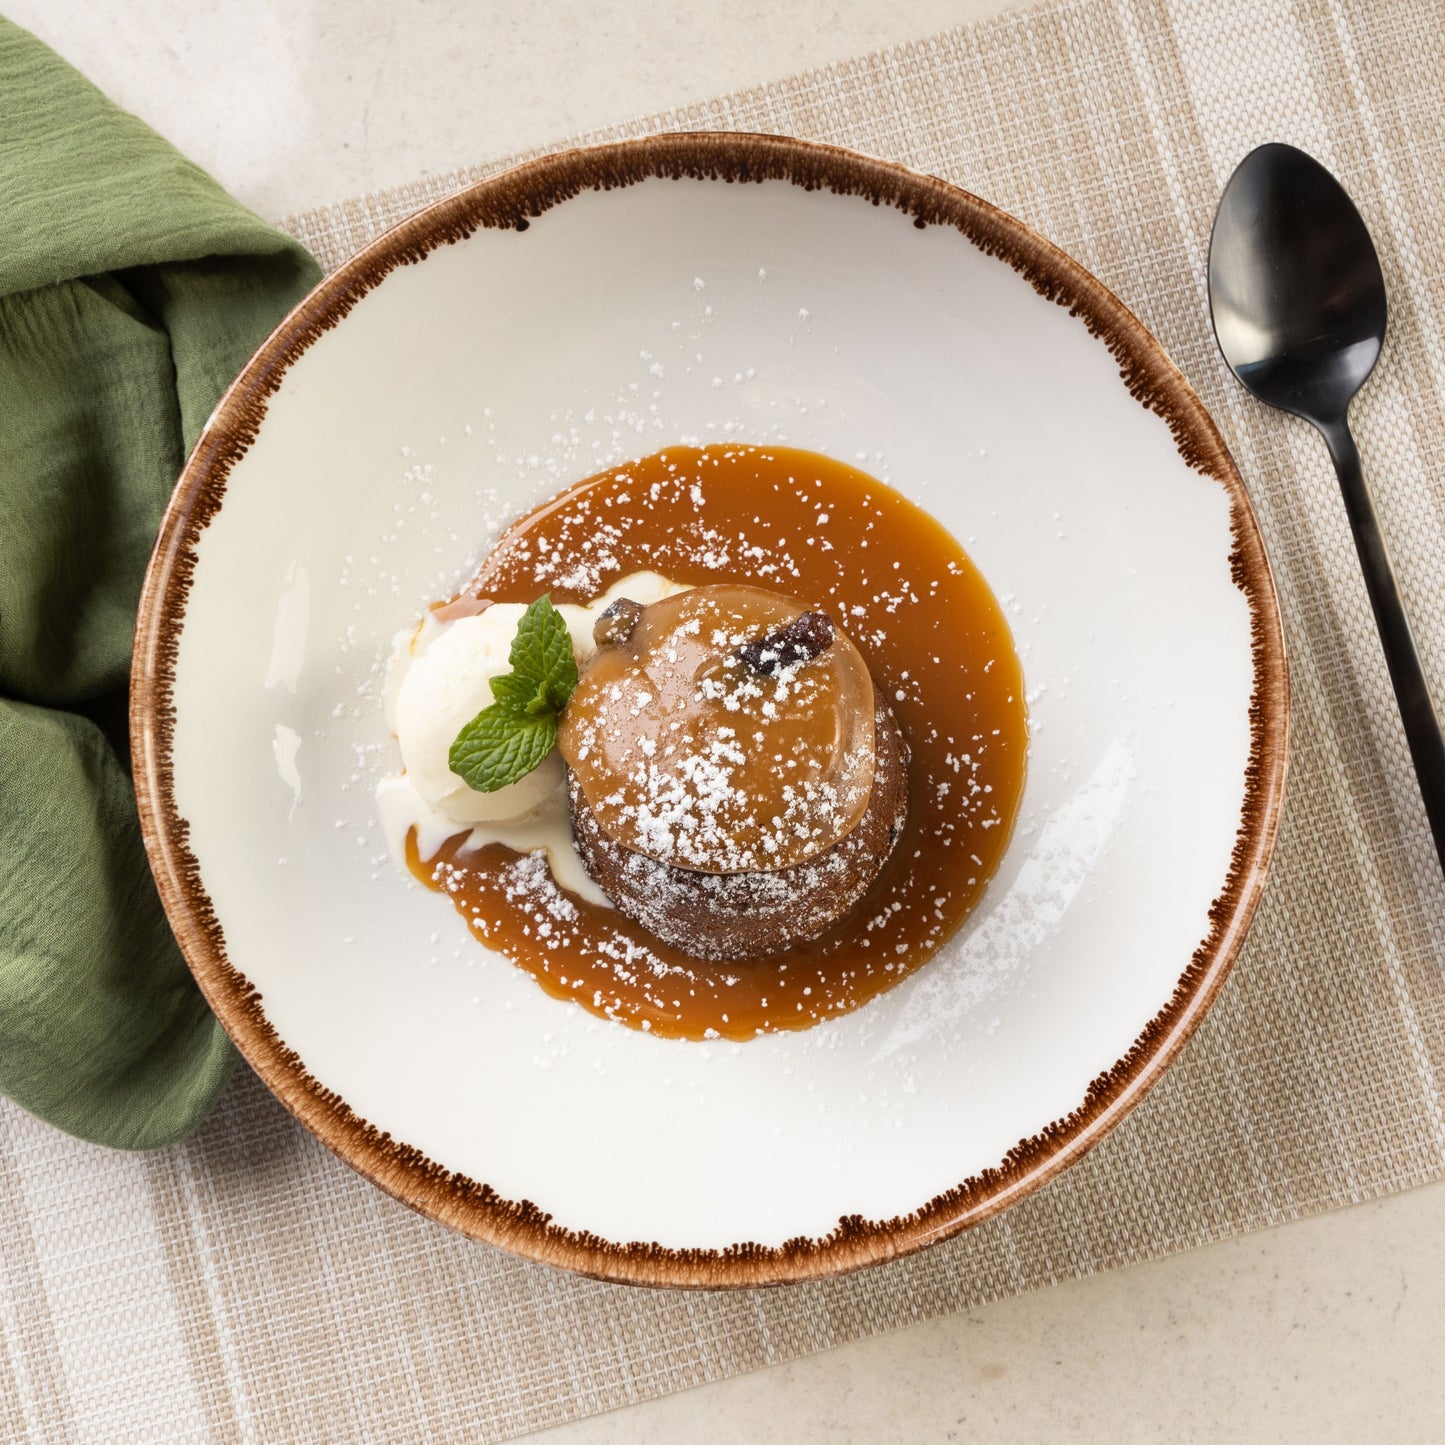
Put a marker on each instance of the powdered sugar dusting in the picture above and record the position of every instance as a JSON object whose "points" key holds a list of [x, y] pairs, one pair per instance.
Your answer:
{"points": [[939, 652], [690, 755]]}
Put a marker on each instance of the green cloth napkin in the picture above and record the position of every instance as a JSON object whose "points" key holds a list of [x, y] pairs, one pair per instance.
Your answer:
{"points": [[132, 290]]}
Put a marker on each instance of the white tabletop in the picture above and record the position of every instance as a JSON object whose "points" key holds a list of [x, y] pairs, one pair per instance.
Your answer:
{"points": [[1323, 1330]]}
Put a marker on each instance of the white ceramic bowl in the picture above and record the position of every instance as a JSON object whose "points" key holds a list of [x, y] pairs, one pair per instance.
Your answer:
{"points": [[599, 305]]}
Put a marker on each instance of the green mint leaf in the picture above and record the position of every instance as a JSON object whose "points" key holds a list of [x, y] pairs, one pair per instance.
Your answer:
{"points": [[542, 651], [517, 691], [507, 740], [500, 745]]}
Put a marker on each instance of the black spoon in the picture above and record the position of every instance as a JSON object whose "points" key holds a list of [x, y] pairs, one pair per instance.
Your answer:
{"points": [[1298, 303]]}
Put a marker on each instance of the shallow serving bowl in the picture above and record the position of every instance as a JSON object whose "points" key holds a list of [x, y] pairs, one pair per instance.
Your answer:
{"points": [[599, 305]]}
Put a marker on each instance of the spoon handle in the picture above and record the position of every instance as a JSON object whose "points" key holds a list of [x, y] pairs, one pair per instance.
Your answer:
{"points": [[1422, 722]]}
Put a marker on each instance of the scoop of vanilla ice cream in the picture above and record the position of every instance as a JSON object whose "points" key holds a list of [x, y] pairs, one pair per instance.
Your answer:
{"points": [[442, 690], [444, 674]]}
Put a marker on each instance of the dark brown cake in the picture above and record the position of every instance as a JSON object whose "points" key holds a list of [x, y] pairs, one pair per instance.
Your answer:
{"points": [[750, 914], [736, 783]]}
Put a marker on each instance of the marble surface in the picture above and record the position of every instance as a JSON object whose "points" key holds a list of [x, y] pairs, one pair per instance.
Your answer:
{"points": [[293, 105], [1325, 1330]]}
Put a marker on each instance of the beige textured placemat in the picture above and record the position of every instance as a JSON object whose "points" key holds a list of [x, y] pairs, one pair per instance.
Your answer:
{"points": [[247, 1286]]}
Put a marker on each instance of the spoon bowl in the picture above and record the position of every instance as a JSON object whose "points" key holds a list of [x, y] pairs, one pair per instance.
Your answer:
{"points": [[1295, 286]]}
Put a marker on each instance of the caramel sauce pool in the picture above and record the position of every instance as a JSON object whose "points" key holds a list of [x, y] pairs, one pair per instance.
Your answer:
{"points": [[935, 642]]}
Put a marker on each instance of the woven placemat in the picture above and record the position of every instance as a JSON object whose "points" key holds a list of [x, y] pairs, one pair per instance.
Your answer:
{"points": [[247, 1286]]}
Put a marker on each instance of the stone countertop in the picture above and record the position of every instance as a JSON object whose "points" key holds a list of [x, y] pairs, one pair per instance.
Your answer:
{"points": [[1324, 1330]]}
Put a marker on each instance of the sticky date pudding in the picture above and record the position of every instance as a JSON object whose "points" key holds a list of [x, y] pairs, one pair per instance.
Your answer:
{"points": [[752, 872], [735, 781]]}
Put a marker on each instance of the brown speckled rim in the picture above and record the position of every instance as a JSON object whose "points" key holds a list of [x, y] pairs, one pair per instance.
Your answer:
{"points": [[508, 201]]}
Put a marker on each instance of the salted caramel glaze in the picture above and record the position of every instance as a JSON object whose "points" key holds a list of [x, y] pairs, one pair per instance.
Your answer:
{"points": [[762, 534]]}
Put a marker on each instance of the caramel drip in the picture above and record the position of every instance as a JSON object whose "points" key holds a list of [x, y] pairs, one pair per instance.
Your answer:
{"points": [[933, 638]]}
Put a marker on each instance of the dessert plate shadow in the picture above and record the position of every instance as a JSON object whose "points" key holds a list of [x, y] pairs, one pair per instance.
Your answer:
{"points": [[599, 305]]}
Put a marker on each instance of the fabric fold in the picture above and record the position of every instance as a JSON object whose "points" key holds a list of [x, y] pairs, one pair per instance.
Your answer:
{"points": [[132, 290]]}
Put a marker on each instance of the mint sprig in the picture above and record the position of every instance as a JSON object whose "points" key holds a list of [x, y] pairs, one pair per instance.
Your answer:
{"points": [[505, 741], [500, 745]]}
